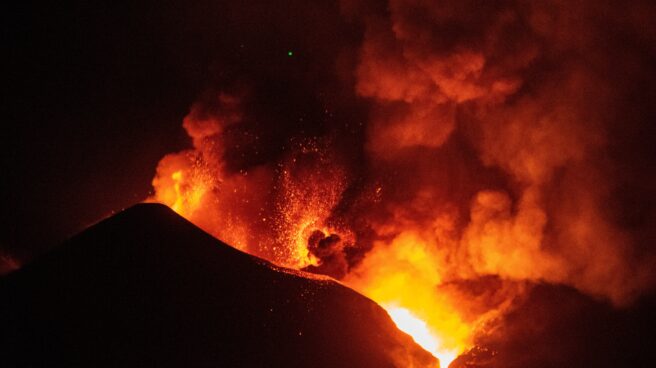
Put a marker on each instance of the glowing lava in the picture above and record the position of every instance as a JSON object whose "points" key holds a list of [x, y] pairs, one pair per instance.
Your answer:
{"points": [[405, 277], [182, 190], [422, 334]]}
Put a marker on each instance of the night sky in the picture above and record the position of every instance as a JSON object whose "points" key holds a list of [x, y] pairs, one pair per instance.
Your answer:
{"points": [[95, 94]]}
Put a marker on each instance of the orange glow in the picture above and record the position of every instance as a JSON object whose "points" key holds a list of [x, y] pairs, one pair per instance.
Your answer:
{"points": [[403, 277], [422, 334], [305, 202], [183, 191]]}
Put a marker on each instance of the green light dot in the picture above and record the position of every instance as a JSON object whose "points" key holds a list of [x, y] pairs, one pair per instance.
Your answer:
{"points": [[290, 53]]}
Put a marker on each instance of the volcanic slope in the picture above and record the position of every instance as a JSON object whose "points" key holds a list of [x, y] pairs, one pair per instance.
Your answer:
{"points": [[146, 288]]}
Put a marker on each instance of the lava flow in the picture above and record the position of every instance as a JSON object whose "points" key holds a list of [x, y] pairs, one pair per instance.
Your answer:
{"points": [[449, 156], [422, 335]]}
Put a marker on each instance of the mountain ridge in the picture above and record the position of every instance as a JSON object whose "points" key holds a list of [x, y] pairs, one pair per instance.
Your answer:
{"points": [[147, 288]]}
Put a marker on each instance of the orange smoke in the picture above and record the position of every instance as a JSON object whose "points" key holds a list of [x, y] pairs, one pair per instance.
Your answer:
{"points": [[403, 278], [484, 165]]}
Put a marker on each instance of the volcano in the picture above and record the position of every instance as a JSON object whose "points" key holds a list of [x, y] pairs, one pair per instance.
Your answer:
{"points": [[148, 288]]}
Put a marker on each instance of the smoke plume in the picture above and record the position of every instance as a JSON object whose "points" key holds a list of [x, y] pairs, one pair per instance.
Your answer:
{"points": [[463, 149]]}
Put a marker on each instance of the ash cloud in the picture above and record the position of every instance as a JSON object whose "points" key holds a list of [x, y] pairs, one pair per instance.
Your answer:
{"points": [[538, 92]]}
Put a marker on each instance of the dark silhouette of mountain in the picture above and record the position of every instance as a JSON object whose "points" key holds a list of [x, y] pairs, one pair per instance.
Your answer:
{"points": [[146, 288]]}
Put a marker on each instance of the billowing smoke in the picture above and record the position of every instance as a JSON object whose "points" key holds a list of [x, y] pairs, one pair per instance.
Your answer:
{"points": [[536, 93], [461, 149]]}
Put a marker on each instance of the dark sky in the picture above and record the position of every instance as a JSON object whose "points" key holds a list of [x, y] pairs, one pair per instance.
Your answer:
{"points": [[94, 96], [95, 93]]}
